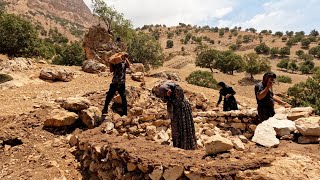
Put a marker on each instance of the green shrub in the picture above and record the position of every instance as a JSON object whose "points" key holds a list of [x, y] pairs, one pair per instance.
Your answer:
{"points": [[284, 79], [262, 49], [18, 37], [5, 78], [306, 94], [233, 47], [73, 55], [305, 69], [203, 79], [144, 49], [169, 43], [170, 35]]}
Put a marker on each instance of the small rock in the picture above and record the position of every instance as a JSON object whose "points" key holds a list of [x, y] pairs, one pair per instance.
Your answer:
{"points": [[73, 140], [308, 139], [109, 126], [243, 139], [131, 167], [136, 111], [139, 76], [217, 144], [296, 116], [163, 136], [265, 135], [156, 173], [137, 67], [60, 117], [173, 173], [209, 132], [151, 131], [237, 143], [75, 103], [91, 116]]}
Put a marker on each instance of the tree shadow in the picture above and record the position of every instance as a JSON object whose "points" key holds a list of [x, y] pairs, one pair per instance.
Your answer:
{"points": [[248, 81]]}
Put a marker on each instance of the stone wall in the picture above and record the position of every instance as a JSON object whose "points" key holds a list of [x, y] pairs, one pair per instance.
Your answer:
{"points": [[108, 157]]}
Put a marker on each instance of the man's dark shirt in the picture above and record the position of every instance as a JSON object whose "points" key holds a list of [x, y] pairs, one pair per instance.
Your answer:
{"points": [[268, 99], [119, 73]]}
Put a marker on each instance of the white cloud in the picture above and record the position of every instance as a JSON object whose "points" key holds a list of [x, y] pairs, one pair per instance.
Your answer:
{"points": [[264, 14], [171, 12], [286, 15]]}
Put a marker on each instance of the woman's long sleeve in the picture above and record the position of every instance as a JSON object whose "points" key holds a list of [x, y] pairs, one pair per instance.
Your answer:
{"points": [[220, 98]]}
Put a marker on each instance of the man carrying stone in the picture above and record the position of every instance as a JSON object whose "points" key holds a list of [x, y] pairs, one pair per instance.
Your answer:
{"points": [[118, 84], [265, 97]]}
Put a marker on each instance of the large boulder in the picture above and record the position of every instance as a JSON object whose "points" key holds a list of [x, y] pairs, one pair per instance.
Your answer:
{"points": [[217, 144], [75, 103], [167, 75], [16, 64], [137, 67], [310, 110], [138, 76], [281, 126], [265, 135], [98, 44], [57, 74], [91, 116], [92, 66], [308, 126], [60, 117]]}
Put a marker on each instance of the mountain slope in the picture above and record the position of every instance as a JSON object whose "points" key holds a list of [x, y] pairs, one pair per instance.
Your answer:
{"points": [[70, 17]]}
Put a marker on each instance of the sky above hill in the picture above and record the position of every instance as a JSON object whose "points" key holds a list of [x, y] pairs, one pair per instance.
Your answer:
{"points": [[277, 15]]}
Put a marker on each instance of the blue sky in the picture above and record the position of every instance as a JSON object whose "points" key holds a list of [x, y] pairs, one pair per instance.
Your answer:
{"points": [[277, 15]]}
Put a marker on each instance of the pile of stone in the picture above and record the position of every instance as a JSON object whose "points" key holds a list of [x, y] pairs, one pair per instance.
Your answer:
{"points": [[72, 109], [286, 124], [16, 64], [167, 75]]}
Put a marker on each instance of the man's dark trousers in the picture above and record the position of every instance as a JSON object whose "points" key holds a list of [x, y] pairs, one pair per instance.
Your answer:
{"points": [[121, 88]]}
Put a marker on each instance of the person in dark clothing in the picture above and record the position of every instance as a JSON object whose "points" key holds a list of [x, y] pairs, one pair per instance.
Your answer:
{"points": [[180, 113], [229, 101], [118, 84], [265, 97]]}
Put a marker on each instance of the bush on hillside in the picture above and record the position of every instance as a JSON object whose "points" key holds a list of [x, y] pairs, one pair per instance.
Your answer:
{"points": [[169, 43], [305, 43], [18, 37], [145, 49], [203, 79], [170, 35], [233, 47], [262, 49], [283, 64], [306, 94], [255, 65], [284, 79], [208, 59], [72, 55], [5, 78]]}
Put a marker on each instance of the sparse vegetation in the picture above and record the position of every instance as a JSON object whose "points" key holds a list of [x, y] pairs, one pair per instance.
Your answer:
{"points": [[72, 55], [203, 79], [255, 64], [18, 37], [306, 93], [284, 79], [262, 49], [144, 49], [169, 43]]}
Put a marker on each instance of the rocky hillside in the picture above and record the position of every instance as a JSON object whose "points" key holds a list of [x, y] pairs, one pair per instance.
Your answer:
{"points": [[70, 17]]}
